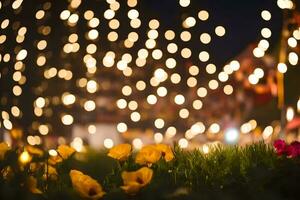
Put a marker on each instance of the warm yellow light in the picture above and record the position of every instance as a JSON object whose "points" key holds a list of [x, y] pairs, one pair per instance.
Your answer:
{"points": [[135, 116], [202, 92], [293, 58], [153, 24], [203, 56], [197, 104], [132, 105], [213, 84], [108, 143], [191, 81], [137, 143], [184, 113], [159, 123], [92, 129], [140, 85], [266, 15], [183, 143], [152, 99], [203, 15], [67, 119], [25, 158], [253, 79], [184, 3], [290, 113], [185, 36], [205, 38], [169, 35], [89, 105], [228, 89], [211, 68], [179, 99], [266, 32], [214, 128], [122, 127], [282, 68], [158, 138], [220, 31]]}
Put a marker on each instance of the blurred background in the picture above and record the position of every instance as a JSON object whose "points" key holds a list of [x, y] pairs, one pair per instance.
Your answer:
{"points": [[102, 72]]}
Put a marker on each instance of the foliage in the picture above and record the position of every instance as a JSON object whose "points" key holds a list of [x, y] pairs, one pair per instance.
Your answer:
{"points": [[250, 172]]}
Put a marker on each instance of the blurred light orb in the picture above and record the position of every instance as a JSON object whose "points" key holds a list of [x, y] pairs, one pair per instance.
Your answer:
{"points": [[205, 149], [184, 3], [52, 152], [282, 68], [211, 68], [43, 129], [179, 99], [137, 143], [203, 56], [158, 138], [293, 58], [266, 32], [67, 119], [220, 31], [183, 143], [263, 44], [89, 105], [135, 116], [162, 91], [266, 15], [132, 105], [205, 38], [267, 132], [108, 143], [253, 79], [25, 157], [290, 113], [122, 127], [184, 113], [259, 72], [159, 123], [214, 128], [228, 89], [258, 52], [203, 15], [152, 99], [231, 136], [194, 70], [92, 129], [197, 104], [175, 78], [171, 132], [213, 84], [202, 92], [68, 99]]}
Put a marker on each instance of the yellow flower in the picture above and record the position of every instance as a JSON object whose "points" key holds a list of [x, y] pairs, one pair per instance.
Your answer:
{"points": [[65, 151], [148, 155], [134, 181], [85, 185], [34, 151], [32, 185], [120, 152], [16, 133], [166, 152], [51, 172], [3, 149], [54, 159]]}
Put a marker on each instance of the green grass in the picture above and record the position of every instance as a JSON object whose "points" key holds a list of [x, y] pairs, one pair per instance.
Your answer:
{"points": [[251, 172]]}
